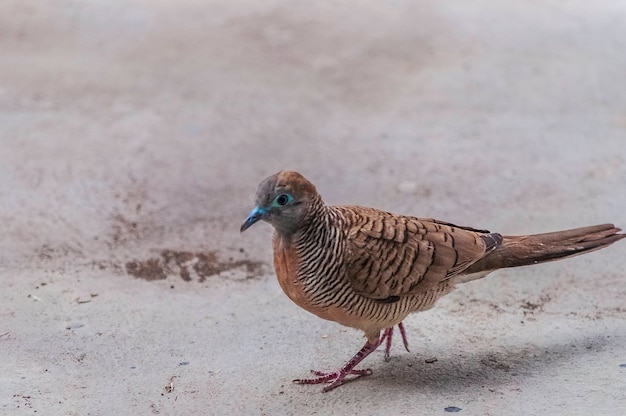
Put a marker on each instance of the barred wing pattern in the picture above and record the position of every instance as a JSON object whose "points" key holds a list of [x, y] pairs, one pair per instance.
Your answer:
{"points": [[390, 255]]}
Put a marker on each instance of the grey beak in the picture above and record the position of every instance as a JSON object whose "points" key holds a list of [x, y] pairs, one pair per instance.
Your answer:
{"points": [[256, 215]]}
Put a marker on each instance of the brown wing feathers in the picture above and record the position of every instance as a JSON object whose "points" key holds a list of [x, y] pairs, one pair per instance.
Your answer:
{"points": [[392, 255]]}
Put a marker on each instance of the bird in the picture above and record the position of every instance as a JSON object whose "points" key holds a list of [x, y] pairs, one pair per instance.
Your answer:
{"points": [[369, 269]]}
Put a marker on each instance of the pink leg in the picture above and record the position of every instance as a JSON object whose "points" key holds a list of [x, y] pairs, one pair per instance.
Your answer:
{"points": [[404, 340], [388, 335], [337, 378]]}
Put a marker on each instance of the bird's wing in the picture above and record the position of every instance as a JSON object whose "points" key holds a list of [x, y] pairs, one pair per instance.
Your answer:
{"points": [[391, 255]]}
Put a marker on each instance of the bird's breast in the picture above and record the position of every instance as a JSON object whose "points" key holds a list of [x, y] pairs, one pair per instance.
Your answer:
{"points": [[287, 266]]}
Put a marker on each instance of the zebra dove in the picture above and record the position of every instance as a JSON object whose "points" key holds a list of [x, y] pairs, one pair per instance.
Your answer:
{"points": [[368, 269]]}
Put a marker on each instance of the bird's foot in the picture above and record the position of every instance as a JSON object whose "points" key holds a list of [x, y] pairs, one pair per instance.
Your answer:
{"points": [[334, 378], [337, 378], [388, 335]]}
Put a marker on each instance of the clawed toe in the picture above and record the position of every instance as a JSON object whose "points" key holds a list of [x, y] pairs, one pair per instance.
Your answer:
{"points": [[366, 372], [334, 378], [337, 378]]}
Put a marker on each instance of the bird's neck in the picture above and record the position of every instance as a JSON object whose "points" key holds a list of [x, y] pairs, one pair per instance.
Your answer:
{"points": [[309, 229]]}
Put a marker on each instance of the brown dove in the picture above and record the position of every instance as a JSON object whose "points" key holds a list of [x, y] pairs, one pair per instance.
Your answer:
{"points": [[368, 269]]}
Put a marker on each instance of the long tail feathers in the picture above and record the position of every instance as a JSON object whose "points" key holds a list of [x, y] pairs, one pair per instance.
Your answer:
{"points": [[517, 251]]}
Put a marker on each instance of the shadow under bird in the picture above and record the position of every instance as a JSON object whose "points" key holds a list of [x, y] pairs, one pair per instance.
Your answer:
{"points": [[368, 269]]}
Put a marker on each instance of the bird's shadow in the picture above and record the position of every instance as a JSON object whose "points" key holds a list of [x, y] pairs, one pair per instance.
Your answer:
{"points": [[483, 368]]}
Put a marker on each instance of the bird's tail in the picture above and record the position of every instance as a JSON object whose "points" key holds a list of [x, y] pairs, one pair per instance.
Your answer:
{"points": [[516, 251]]}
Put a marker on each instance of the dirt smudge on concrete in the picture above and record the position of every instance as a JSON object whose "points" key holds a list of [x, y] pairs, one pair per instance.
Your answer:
{"points": [[189, 266], [150, 269]]}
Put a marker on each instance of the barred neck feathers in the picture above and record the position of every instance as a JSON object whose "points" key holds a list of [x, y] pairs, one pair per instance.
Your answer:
{"points": [[316, 227], [320, 248]]}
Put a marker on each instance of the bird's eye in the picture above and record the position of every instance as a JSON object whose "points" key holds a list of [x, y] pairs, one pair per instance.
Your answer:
{"points": [[283, 199]]}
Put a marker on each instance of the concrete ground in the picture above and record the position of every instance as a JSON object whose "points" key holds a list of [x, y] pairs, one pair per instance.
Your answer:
{"points": [[133, 135]]}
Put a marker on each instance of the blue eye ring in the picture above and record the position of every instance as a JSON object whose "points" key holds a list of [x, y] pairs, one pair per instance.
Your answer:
{"points": [[283, 199]]}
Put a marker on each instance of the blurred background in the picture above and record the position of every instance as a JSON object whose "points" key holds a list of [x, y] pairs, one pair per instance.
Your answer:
{"points": [[133, 135]]}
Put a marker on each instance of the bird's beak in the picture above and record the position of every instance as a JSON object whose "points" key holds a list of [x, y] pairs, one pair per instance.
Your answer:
{"points": [[256, 215]]}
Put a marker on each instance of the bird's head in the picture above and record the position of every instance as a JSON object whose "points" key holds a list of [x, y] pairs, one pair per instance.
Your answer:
{"points": [[284, 200]]}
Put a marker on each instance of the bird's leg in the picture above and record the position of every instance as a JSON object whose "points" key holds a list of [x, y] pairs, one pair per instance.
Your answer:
{"points": [[337, 378], [388, 335], [404, 340]]}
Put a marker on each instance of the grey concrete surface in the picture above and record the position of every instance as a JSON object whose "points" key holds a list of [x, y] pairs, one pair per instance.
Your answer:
{"points": [[133, 135]]}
